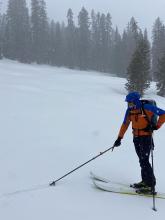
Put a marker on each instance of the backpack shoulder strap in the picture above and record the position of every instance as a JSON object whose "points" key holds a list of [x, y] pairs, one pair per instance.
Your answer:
{"points": [[143, 110]]}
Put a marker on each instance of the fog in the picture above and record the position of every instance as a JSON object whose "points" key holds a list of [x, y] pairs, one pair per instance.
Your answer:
{"points": [[144, 11]]}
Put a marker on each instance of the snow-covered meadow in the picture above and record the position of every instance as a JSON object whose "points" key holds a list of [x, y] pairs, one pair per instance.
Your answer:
{"points": [[53, 120]]}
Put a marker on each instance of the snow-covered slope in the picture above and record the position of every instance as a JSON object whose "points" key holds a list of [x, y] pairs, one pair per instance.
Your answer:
{"points": [[51, 121]]}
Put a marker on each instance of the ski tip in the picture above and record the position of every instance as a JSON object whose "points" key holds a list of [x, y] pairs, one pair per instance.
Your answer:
{"points": [[92, 175]]}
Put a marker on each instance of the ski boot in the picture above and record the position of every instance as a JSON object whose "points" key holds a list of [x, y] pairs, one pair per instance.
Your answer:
{"points": [[146, 190], [138, 185]]}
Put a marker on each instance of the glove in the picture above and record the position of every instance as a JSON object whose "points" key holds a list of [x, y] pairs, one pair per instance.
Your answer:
{"points": [[117, 142]]}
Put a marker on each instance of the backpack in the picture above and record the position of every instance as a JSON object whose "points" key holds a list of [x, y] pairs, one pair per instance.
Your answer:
{"points": [[154, 119]]}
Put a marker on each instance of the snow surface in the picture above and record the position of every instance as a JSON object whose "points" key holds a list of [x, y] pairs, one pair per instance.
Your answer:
{"points": [[53, 120]]}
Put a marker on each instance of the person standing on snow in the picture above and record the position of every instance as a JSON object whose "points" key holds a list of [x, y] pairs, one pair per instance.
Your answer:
{"points": [[141, 115]]}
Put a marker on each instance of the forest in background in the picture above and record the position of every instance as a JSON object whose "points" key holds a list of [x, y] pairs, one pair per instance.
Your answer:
{"points": [[90, 42]]}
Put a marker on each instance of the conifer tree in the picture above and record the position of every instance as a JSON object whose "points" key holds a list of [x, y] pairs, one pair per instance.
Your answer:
{"points": [[109, 32], [2, 34], [95, 40], [52, 44], [103, 43], [70, 40], [17, 35], [116, 58], [158, 45], [83, 39], [40, 31], [130, 40], [138, 72], [161, 76], [58, 56], [105, 29]]}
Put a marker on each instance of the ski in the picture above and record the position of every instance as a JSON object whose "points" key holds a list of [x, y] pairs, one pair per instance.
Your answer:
{"points": [[105, 180], [118, 188], [96, 177]]}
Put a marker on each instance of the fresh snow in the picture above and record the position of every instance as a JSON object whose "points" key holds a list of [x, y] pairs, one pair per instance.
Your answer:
{"points": [[53, 120]]}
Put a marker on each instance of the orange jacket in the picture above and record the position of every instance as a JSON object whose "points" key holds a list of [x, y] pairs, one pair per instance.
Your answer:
{"points": [[139, 121]]}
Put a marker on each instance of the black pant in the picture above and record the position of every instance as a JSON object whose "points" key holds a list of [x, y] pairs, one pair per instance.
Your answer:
{"points": [[143, 146]]}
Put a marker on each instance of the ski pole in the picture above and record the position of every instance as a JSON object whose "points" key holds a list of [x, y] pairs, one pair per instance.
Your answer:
{"points": [[153, 186], [101, 153], [152, 158]]}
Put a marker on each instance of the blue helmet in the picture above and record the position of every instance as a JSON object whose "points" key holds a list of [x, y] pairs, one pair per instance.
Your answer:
{"points": [[132, 97]]}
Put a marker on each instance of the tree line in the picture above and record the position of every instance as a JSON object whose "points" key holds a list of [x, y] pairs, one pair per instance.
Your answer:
{"points": [[89, 43]]}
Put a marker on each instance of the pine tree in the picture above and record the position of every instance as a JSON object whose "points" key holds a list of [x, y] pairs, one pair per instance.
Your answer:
{"points": [[103, 43], [40, 31], [161, 76], [138, 72], [70, 41], [83, 39], [158, 45], [109, 32], [95, 40], [58, 45], [52, 44], [17, 35], [105, 28], [130, 40], [44, 40], [116, 58], [35, 28], [2, 34]]}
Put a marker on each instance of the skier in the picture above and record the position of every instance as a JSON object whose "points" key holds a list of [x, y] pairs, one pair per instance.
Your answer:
{"points": [[140, 115]]}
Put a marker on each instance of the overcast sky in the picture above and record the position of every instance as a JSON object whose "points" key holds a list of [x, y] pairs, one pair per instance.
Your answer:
{"points": [[144, 11]]}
